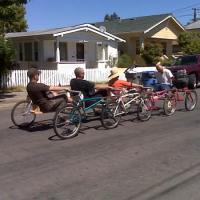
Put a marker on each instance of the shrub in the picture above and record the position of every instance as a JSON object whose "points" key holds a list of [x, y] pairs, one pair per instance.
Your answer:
{"points": [[151, 53], [124, 61]]}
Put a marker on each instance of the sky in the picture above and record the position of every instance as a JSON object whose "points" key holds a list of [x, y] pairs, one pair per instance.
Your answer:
{"points": [[46, 14]]}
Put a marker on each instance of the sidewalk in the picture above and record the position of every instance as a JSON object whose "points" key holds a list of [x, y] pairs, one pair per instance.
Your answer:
{"points": [[8, 100]]}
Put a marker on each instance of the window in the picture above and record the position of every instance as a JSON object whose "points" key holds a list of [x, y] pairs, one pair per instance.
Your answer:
{"points": [[28, 51], [20, 52], [63, 51], [164, 45], [137, 47], [36, 51], [100, 52]]}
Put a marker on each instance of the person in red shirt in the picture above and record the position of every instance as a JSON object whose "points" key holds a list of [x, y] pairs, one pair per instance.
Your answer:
{"points": [[119, 84]]}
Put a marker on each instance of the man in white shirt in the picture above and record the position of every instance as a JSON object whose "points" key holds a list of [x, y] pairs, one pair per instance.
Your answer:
{"points": [[164, 78]]}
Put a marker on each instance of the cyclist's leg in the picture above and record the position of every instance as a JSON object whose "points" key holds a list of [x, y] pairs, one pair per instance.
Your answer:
{"points": [[57, 103], [164, 87]]}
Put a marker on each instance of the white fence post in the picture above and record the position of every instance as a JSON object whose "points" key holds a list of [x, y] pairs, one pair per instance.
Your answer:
{"points": [[53, 77]]}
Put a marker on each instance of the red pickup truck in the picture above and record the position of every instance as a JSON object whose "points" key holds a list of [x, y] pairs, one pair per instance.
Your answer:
{"points": [[191, 64]]}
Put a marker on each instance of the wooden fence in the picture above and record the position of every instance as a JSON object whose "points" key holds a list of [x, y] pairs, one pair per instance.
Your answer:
{"points": [[53, 77]]}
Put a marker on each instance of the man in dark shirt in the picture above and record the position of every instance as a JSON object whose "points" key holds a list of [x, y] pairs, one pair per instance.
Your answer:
{"points": [[38, 93], [87, 88]]}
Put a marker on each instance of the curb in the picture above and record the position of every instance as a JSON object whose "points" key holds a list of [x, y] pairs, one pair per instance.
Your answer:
{"points": [[9, 103]]}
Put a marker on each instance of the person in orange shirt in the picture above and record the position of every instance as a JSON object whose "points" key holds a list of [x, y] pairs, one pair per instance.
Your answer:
{"points": [[119, 84]]}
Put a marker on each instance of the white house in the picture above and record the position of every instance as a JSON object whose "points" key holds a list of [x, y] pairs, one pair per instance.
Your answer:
{"points": [[66, 48]]}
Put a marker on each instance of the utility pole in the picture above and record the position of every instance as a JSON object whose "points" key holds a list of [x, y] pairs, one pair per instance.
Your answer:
{"points": [[195, 14]]}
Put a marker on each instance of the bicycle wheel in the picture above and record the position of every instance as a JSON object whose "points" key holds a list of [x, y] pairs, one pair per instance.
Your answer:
{"points": [[111, 115], [190, 100], [67, 122], [144, 110], [21, 115], [169, 106]]}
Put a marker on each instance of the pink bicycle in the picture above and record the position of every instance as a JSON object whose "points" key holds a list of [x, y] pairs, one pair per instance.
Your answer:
{"points": [[150, 104]]}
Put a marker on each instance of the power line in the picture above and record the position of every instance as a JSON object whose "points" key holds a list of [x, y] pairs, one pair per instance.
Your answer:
{"points": [[185, 8]]}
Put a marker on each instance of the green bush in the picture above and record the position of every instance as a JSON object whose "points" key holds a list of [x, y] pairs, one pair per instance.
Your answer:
{"points": [[151, 53], [124, 61], [189, 42]]}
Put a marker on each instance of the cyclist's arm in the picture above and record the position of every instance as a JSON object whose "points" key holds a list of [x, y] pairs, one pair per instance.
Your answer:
{"points": [[55, 88], [136, 85], [102, 87]]}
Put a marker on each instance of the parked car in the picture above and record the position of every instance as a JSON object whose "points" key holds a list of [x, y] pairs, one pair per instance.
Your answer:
{"points": [[191, 64]]}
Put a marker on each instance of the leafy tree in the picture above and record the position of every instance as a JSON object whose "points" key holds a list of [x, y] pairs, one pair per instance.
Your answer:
{"points": [[113, 17], [107, 17], [7, 54], [124, 61], [12, 19], [12, 16], [151, 53], [189, 42]]}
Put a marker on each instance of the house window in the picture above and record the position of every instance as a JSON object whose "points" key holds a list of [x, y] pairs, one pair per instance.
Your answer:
{"points": [[63, 51], [20, 52], [106, 52], [137, 47], [36, 51], [80, 55], [164, 45], [100, 52], [28, 51]]}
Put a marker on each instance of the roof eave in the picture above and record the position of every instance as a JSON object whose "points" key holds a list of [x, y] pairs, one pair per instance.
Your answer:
{"points": [[170, 16]]}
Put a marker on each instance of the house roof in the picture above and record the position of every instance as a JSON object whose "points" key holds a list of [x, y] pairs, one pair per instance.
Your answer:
{"points": [[194, 25], [66, 30], [135, 25]]}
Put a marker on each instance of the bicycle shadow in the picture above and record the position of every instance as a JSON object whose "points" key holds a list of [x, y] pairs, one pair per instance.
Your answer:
{"points": [[42, 125]]}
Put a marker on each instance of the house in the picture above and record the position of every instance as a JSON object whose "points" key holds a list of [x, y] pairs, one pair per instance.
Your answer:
{"points": [[65, 48], [157, 29], [193, 27]]}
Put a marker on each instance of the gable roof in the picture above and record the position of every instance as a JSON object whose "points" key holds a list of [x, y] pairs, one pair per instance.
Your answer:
{"points": [[63, 31], [194, 25], [135, 25]]}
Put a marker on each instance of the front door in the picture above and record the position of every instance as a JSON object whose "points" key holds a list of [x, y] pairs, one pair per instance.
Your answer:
{"points": [[80, 51]]}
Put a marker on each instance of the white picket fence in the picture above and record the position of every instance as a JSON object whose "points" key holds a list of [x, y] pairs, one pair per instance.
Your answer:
{"points": [[53, 77]]}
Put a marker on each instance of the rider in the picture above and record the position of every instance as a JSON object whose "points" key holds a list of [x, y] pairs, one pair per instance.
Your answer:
{"points": [[164, 78], [87, 88], [119, 84], [38, 93]]}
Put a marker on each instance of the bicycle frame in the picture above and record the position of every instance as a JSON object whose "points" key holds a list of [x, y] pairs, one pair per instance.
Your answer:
{"points": [[178, 98], [153, 100]]}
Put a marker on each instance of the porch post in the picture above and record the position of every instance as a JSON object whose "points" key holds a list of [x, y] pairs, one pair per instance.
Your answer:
{"points": [[142, 41], [57, 51], [103, 52]]}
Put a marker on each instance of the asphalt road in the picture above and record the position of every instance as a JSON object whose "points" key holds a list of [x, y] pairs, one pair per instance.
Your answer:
{"points": [[154, 160]]}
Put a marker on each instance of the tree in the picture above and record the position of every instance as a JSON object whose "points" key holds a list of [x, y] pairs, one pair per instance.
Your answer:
{"points": [[189, 42], [7, 54], [151, 53], [12, 19], [12, 16], [113, 17], [107, 17]]}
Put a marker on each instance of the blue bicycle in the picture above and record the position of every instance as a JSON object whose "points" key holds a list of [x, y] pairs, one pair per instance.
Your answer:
{"points": [[67, 121]]}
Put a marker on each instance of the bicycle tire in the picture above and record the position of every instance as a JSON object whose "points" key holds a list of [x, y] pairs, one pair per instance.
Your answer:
{"points": [[111, 115], [169, 106], [21, 115], [67, 122], [143, 111], [190, 100]]}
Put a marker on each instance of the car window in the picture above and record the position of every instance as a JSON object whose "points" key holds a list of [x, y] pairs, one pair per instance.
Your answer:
{"points": [[190, 60]]}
